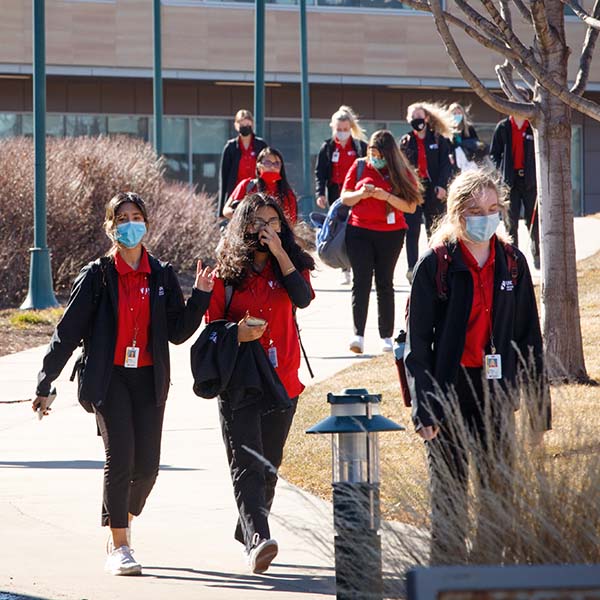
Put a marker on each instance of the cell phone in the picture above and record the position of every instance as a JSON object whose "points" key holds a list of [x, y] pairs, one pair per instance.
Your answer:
{"points": [[255, 322], [51, 398]]}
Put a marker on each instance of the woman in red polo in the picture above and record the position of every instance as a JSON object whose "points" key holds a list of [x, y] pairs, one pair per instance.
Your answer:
{"points": [[263, 274], [386, 189], [126, 307], [270, 179]]}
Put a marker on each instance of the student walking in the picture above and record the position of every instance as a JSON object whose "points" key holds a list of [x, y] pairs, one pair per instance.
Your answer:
{"points": [[126, 307], [238, 160], [464, 350], [467, 148], [263, 276], [428, 150], [270, 178], [513, 153], [379, 191], [336, 156]]}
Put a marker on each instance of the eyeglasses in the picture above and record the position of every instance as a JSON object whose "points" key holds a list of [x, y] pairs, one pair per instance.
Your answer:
{"points": [[270, 163], [272, 222]]}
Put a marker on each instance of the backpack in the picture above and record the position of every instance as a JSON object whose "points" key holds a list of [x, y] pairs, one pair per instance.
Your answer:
{"points": [[331, 230], [441, 283]]}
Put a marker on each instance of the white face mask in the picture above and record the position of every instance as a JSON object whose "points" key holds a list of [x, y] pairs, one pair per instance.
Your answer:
{"points": [[343, 136], [481, 228]]}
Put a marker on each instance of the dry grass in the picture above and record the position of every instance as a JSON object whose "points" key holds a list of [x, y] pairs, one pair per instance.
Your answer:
{"points": [[575, 419]]}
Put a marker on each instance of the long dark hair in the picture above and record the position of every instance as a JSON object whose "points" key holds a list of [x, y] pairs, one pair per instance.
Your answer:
{"points": [[403, 178], [283, 185], [236, 255]]}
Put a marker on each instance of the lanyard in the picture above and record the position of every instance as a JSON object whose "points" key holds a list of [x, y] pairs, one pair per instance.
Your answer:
{"points": [[256, 275], [127, 281], [488, 309]]}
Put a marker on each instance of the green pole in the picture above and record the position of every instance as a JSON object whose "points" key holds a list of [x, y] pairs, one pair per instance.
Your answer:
{"points": [[41, 293], [306, 203], [158, 87], [259, 68]]}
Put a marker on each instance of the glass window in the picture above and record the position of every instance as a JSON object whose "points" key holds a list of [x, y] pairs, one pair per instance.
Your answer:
{"points": [[286, 136], [133, 126], [208, 139], [398, 128], [55, 125], [363, 3], [10, 125], [176, 147], [92, 125]]}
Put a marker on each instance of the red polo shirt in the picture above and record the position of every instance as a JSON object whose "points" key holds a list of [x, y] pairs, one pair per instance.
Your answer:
{"points": [[370, 213], [247, 166], [479, 328], [518, 137], [421, 158], [289, 204], [346, 157], [133, 318], [263, 296]]}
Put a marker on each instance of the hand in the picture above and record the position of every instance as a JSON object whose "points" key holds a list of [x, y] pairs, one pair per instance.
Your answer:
{"points": [[440, 193], [428, 433], [381, 194], [321, 202], [268, 236], [41, 402], [249, 333], [205, 278], [367, 190]]}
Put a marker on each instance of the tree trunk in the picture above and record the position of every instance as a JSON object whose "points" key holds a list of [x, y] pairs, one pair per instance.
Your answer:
{"points": [[560, 300]]}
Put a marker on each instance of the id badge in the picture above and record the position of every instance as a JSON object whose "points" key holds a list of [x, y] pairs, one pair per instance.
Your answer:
{"points": [[132, 354], [391, 218], [273, 356], [493, 366], [335, 157]]}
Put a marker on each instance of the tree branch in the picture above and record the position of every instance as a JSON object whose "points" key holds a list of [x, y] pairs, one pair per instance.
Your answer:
{"points": [[587, 52], [505, 77], [502, 105], [540, 23], [582, 14], [525, 12], [480, 21]]}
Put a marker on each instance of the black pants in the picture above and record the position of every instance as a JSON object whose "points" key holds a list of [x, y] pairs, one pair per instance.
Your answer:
{"points": [[373, 252], [433, 209], [484, 435], [254, 482], [333, 192], [521, 194], [130, 424]]}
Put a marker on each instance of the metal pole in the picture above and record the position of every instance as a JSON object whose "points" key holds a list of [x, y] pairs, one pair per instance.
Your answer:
{"points": [[259, 68], [158, 87], [307, 200], [41, 294]]}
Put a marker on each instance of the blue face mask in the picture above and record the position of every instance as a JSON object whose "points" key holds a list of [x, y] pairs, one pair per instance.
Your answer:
{"points": [[130, 234], [482, 228], [457, 119], [378, 163]]}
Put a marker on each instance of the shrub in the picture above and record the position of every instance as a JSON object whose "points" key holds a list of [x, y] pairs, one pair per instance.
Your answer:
{"points": [[82, 175]]}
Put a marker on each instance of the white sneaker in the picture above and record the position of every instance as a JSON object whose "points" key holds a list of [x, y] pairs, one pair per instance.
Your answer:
{"points": [[387, 345], [121, 562], [262, 554], [357, 344], [346, 277]]}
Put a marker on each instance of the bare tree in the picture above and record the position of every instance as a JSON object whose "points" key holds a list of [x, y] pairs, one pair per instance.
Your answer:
{"points": [[541, 65]]}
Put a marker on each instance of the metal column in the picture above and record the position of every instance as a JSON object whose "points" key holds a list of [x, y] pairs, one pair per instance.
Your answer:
{"points": [[158, 87], [259, 68]]}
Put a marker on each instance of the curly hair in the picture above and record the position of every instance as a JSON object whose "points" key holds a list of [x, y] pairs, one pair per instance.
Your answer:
{"points": [[235, 255], [440, 120]]}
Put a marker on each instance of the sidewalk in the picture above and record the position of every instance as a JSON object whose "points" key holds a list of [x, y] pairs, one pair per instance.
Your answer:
{"points": [[51, 481]]}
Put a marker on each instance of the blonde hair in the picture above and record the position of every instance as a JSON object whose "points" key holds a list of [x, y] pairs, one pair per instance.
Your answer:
{"points": [[440, 119], [242, 114], [462, 190], [466, 123], [345, 113]]}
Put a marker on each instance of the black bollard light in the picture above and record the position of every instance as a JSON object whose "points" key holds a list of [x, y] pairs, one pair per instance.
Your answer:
{"points": [[355, 423]]}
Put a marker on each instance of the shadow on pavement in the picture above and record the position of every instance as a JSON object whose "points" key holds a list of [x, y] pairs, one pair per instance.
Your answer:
{"points": [[10, 596], [74, 464], [280, 582]]}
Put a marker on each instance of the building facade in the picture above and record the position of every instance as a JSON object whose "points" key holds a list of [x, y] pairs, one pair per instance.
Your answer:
{"points": [[375, 55]]}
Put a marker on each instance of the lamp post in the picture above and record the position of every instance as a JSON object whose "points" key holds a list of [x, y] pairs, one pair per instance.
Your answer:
{"points": [[307, 196], [259, 68], [355, 423], [40, 294], [157, 79]]}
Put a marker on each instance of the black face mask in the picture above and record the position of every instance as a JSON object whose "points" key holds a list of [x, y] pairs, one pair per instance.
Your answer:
{"points": [[245, 130], [418, 124], [253, 244]]}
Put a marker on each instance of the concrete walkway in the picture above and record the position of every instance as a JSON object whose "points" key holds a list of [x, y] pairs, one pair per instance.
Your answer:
{"points": [[51, 481]]}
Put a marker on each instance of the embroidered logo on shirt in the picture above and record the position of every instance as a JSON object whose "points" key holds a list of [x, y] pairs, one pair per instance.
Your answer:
{"points": [[161, 291], [213, 337], [506, 286], [144, 291]]}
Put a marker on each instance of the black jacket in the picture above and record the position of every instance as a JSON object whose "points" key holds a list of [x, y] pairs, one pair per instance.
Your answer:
{"points": [[437, 150], [436, 330], [501, 153], [240, 373], [323, 165], [91, 315], [230, 161]]}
